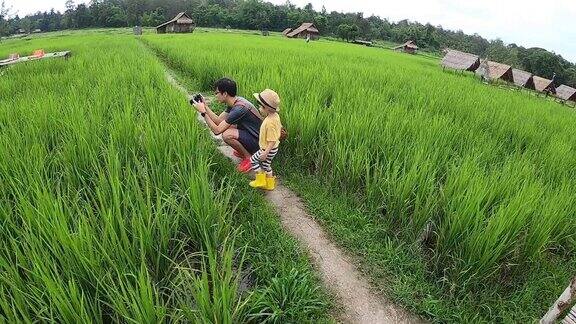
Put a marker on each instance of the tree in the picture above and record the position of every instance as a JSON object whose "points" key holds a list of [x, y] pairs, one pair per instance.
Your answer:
{"points": [[13, 24], [308, 13], [343, 31], [55, 19], [4, 13], [363, 25], [44, 22], [321, 22], [541, 62], [347, 32], [68, 20], [27, 24], [82, 17], [430, 38], [153, 18], [70, 5], [294, 18], [117, 17], [497, 51], [134, 11]]}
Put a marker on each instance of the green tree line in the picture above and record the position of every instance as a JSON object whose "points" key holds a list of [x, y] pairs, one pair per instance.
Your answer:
{"points": [[256, 15]]}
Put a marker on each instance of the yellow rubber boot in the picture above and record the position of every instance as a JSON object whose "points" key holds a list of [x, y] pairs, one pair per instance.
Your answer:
{"points": [[270, 183], [260, 181]]}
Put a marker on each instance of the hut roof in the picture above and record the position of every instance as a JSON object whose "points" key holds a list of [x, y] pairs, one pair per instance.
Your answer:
{"points": [[565, 92], [523, 78], [409, 44], [304, 27], [494, 71], [181, 18], [541, 84], [286, 31], [460, 61], [362, 42]]}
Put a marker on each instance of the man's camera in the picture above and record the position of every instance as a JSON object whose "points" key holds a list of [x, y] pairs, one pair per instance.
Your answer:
{"points": [[196, 99]]}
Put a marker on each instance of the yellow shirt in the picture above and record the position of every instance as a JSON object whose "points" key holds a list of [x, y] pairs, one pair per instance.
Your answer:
{"points": [[270, 131]]}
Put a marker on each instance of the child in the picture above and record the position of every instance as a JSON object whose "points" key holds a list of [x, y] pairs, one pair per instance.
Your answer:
{"points": [[269, 140]]}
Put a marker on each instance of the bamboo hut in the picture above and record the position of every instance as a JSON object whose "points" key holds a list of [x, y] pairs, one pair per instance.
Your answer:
{"points": [[181, 23], [408, 47], [362, 42], [543, 85], [460, 61], [306, 30], [491, 71], [566, 93], [523, 79]]}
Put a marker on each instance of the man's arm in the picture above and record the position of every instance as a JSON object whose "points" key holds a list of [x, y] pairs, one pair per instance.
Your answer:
{"points": [[209, 116], [217, 119], [216, 129]]}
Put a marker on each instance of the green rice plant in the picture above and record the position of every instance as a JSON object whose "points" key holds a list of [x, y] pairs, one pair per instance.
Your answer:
{"points": [[479, 166], [284, 300], [112, 206], [216, 288]]}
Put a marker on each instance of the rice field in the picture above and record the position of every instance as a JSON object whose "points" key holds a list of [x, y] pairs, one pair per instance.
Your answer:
{"points": [[481, 179], [115, 206]]}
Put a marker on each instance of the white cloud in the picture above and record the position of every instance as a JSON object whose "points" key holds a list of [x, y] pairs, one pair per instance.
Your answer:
{"points": [[24, 7], [550, 24]]}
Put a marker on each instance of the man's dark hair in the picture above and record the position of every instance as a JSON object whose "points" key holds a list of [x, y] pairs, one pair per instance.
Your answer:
{"points": [[226, 85]]}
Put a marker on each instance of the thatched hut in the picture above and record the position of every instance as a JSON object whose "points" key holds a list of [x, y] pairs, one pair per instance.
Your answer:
{"points": [[362, 42], [544, 85], [491, 71], [286, 31], [523, 79], [304, 31], [460, 61], [566, 93], [408, 47], [181, 23]]}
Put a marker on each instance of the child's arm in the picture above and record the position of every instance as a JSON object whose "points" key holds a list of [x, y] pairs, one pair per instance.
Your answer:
{"points": [[269, 147]]}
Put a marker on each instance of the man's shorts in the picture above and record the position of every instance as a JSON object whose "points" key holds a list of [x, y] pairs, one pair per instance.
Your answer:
{"points": [[249, 142]]}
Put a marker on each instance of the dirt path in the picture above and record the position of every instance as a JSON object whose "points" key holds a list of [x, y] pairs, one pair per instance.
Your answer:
{"points": [[358, 303], [338, 273]]}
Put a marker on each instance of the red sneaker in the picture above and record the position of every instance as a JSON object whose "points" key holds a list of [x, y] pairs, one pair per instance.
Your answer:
{"points": [[244, 165], [237, 154]]}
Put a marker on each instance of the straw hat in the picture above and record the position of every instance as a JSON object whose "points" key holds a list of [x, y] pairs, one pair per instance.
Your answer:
{"points": [[268, 98]]}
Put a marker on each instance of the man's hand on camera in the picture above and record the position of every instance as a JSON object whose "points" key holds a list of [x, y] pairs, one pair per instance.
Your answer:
{"points": [[200, 107]]}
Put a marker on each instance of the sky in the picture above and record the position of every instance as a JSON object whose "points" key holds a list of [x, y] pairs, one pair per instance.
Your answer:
{"points": [[548, 24]]}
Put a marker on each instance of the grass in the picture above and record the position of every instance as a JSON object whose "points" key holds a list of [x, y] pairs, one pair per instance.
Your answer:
{"points": [[399, 269], [484, 174], [115, 206]]}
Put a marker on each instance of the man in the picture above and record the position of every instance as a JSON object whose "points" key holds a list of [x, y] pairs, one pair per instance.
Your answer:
{"points": [[239, 124]]}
